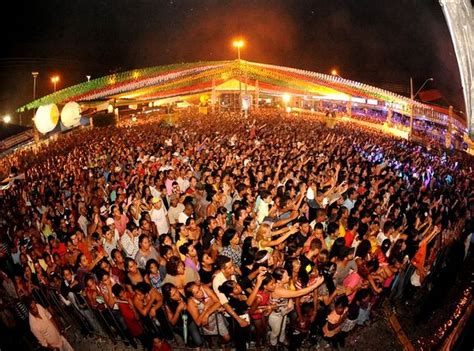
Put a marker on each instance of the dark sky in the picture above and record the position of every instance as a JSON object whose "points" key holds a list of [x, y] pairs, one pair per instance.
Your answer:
{"points": [[381, 42]]}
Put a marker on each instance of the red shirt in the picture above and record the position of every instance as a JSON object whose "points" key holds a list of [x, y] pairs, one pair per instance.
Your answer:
{"points": [[349, 237], [133, 325]]}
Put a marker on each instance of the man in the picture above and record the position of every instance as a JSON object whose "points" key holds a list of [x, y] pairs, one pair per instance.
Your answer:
{"points": [[129, 240], [159, 216], [351, 199], [83, 222], [175, 209], [44, 328], [188, 212]]}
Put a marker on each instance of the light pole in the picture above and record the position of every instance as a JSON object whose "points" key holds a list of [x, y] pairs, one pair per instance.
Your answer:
{"points": [[334, 73], [412, 97], [88, 78], [55, 80], [238, 44], [35, 75]]}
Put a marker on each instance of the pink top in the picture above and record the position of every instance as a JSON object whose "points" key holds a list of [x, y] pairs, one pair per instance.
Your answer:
{"points": [[264, 299]]}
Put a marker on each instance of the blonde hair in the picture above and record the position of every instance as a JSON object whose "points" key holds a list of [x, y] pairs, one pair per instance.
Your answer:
{"points": [[261, 230]]}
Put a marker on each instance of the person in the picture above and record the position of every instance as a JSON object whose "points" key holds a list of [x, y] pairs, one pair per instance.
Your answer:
{"points": [[159, 217], [44, 328], [332, 331], [237, 306], [130, 240], [153, 276], [204, 307], [146, 251], [178, 274], [177, 315]]}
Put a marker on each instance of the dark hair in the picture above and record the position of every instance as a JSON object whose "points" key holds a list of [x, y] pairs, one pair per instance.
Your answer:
{"points": [[363, 248], [142, 287], [227, 287], [117, 289], [141, 238], [221, 261], [188, 289], [172, 265], [164, 249], [227, 237], [149, 263], [267, 279], [278, 273], [128, 260], [342, 301], [184, 249]]}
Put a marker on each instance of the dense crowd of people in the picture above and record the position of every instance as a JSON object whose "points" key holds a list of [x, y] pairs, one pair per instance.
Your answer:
{"points": [[264, 232]]}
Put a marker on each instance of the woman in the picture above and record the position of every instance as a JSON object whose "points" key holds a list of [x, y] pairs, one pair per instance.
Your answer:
{"points": [[239, 304], [191, 257], [153, 276], [332, 329], [214, 202], [149, 302], [145, 251], [231, 247], [194, 231], [265, 234], [206, 272], [175, 309], [179, 275], [216, 246], [203, 306], [274, 297], [134, 275]]}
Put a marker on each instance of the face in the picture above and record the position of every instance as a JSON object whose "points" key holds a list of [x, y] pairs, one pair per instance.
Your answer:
{"points": [[132, 267], [145, 244], [180, 268], [153, 268], [34, 309], [197, 292], [271, 286], [228, 269], [237, 289], [296, 265], [235, 240], [175, 295], [207, 259], [118, 258]]}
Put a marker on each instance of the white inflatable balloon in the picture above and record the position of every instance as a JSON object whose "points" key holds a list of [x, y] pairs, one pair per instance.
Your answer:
{"points": [[46, 118], [71, 114]]}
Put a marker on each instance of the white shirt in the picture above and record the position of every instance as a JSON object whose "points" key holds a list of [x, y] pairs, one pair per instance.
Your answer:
{"points": [[182, 218], [129, 245], [174, 212], [44, 329], [160, 219], [218, 280], [108, 247], [83, 224], [349, 204], [262, 211]]}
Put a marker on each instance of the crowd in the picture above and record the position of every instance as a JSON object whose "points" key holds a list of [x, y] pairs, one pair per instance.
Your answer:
{"points": [[221, 231]]}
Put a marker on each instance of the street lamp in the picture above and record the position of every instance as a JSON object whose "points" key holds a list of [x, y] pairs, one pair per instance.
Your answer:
{"points": [[334, 73], [88, 78], [412, 97], [7, 119], [238, 44], [55, 80]]}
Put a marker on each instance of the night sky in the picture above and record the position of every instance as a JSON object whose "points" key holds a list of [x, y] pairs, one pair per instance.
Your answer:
{"points": [[380, 42]]}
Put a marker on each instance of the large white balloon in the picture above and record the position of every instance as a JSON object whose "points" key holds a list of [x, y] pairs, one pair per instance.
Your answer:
{"points": [[71, 114], [46, 118]]}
